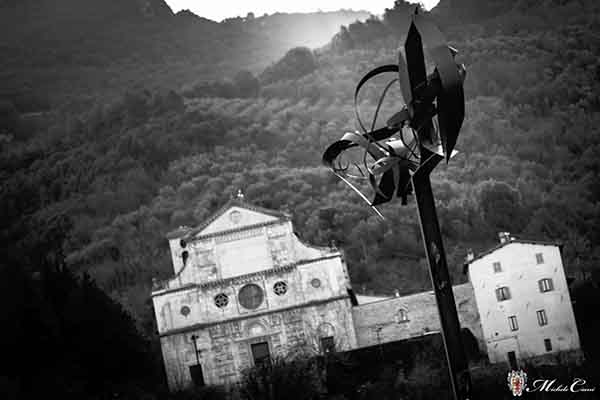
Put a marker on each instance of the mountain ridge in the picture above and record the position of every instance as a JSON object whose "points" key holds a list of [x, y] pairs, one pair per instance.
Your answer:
{"points": [[71, 47]]}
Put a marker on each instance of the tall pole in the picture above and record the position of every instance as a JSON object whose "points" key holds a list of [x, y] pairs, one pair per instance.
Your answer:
{"points": [[458, 366], [194, 337], [438, 95]]}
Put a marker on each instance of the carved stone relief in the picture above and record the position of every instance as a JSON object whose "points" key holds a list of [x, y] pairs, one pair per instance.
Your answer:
{"points": [[275, 320], [217, 331], [236, 329], [276, 231], [256, 329], [279, 251], [166, 317], [206, 258]]}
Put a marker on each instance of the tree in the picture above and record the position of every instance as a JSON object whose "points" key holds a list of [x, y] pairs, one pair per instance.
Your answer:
{"points": [[247, 84], [9, 118], [296, 63], [84, 344], [283, 378], [500, 205]]}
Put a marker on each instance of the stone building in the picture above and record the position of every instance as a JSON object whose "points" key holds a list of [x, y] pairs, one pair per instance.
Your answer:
{"points": [[245, 288], [381, 320], [523, 300]]}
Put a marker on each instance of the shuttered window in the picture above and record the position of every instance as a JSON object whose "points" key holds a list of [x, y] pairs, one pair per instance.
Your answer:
{"points": [[503, 293]]}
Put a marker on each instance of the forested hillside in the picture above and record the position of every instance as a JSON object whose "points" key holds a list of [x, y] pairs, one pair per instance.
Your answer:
{"points": [[55, 51], [122, 170]]}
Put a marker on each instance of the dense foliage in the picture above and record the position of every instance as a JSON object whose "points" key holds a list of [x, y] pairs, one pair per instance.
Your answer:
{"points": [[64, 336], [298, 378], [130, 169], [127, 165], [59, 50]]}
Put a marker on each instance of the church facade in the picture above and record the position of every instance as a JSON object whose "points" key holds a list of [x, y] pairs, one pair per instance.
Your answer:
{"points": [[246, 289]]}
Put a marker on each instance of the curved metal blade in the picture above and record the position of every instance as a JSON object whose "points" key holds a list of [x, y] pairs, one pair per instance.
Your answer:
{"points": [[450, 101]]}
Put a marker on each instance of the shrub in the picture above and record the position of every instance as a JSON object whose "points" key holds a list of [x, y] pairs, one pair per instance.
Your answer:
{"points": [[290, 379]]}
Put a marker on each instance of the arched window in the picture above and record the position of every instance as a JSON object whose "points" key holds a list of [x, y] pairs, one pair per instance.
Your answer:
{"points": [[256, 329]]}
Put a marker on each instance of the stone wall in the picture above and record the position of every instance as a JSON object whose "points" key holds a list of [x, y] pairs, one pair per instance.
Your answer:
{"points": [[236, 252], [400, 318], [224, 349], [306, 282]]}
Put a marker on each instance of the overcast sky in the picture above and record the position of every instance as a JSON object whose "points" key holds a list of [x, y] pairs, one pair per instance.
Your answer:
{"points": [[220, 9]]}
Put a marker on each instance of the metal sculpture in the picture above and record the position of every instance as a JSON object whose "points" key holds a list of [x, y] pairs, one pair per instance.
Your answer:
{"points": [[398, 159]]}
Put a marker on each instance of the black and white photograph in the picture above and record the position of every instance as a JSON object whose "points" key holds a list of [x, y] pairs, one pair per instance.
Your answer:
{"points": [[316, 200]]}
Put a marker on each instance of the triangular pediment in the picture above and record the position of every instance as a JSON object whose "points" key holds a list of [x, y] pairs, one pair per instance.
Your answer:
{"points": [[237, 217]]}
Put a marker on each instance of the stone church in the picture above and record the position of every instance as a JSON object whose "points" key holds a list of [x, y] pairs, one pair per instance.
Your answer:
{"points": [[245, 289]]}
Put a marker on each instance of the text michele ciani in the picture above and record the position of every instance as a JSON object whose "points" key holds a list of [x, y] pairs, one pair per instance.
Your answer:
{"points": [[547, 385]]}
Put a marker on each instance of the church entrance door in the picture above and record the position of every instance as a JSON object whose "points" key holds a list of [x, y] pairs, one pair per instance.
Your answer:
{"points": [[197, 375], [260, 353]]}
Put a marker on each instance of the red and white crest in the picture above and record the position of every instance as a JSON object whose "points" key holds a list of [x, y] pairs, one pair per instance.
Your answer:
{"points": [[517, 381]]}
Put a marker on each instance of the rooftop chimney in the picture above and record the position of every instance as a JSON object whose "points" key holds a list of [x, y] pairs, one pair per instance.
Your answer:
{"points": [[504, 237]]}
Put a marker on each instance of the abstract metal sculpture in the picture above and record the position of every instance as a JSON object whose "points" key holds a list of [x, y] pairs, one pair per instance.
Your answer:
{"points": [[398, 159]]}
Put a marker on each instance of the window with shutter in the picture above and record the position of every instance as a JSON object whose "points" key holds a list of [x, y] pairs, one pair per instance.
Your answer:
{"points": [[512, 322], [546, 285], [503, 293], [497, 267], [542, 318]]}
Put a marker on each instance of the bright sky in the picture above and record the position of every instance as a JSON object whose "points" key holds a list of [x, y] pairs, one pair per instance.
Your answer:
{"points": [[218, 10]]}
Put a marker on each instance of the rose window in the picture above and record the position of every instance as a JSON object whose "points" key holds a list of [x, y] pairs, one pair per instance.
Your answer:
{"points": [[221, 300], [251, 296], [280, 288]]}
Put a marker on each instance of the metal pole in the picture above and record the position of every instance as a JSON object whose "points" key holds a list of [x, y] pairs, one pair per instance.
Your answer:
{"points": [[194, 337], [458, 366]]}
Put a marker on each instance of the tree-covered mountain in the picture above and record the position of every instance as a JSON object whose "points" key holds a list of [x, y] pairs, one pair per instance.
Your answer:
{"points": [[127, 165], [53, 51]]}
